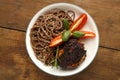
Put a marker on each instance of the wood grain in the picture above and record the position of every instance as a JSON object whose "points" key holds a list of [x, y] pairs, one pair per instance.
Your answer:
{"points": [[15, 63], [16, 14]]}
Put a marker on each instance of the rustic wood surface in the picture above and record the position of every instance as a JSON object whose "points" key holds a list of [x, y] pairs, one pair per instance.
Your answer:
{"points": [[15, 63]]}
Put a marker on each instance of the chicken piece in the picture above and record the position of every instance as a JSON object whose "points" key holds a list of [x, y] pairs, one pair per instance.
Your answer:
{"points": [[72, 54]]}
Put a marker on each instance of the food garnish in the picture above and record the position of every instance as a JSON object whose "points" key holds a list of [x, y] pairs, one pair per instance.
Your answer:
{"points": [[66, 24], [74, 29], [79, 22], [76, 25], [78, 34], [88, 34], [66, 35], [56, 41], [56, 57]]}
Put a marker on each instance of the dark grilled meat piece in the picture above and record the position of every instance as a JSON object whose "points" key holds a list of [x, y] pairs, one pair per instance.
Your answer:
{"points": [[72, 54]]}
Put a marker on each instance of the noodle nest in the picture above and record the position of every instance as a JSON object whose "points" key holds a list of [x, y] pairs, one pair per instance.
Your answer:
{"points": [[48, 26]]}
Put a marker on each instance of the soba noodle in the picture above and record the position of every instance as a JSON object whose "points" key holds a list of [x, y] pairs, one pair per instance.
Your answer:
{"points": [[48, 26]]}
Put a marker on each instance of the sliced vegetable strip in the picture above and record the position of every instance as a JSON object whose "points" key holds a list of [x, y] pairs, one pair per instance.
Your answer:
{"points": [[56, 41], [88, 34], [78, 23]]}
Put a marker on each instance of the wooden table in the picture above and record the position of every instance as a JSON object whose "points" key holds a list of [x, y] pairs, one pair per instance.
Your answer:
{"points": [[15, 63]]}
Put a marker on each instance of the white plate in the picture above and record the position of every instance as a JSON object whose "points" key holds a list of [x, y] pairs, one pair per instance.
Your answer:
{"points": [[91, 45]]}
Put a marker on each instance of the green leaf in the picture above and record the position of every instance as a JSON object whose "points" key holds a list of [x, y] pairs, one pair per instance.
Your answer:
{"points": [[78, 34], [56, 61], [66, 35], [66, 24]]}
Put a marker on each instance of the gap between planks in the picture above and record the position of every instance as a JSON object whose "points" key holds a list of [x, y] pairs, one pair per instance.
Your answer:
{"points": [[12, 29], [25, 31]]}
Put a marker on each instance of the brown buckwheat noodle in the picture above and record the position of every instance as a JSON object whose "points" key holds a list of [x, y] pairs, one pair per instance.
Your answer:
{"points": [[48, 26]]}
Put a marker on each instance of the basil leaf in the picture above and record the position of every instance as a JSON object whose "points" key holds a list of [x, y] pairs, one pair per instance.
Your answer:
{"points": [[78, 34], [66, 35], [66, 24]]}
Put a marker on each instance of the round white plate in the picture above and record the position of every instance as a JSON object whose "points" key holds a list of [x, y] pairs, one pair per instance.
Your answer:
{"points": [[91, 45]]}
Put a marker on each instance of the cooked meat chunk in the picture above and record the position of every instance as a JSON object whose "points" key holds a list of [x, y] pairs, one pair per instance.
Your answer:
{"points": [[72, 54]]}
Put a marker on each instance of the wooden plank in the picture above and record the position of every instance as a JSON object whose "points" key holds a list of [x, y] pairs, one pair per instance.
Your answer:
{"points": [[106, 13], [15, 12], [18, 13], [15, 63]]}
